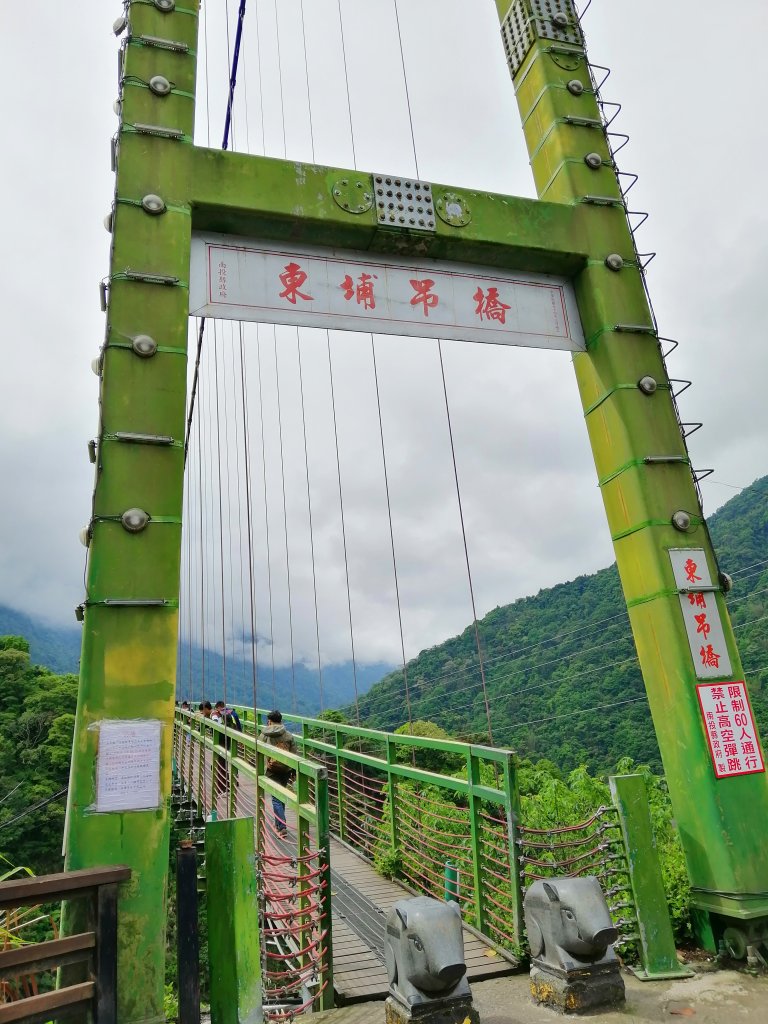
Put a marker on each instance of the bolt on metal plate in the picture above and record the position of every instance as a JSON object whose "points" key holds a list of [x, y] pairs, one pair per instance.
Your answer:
{"points": [[353, 194], [528, 20], [404, 203], [453, 209]]}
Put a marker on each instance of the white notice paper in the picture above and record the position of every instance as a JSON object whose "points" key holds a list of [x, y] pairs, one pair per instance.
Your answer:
{"points": [[128, 766]]}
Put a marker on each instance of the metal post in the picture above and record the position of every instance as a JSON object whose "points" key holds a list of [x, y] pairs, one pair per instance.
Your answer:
{"points": [[639, 452], [323, 839], [451, 882], [341, 790], [512, 809], [106, 954], [475, 840], [130, 628], [187, 933], [233, 922], [657, 943], [394, 831]]}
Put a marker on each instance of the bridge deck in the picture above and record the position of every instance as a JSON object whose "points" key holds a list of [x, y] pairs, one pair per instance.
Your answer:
{"points": [[362, 900]]}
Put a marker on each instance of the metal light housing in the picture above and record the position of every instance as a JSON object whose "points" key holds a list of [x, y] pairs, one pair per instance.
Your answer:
{"points": [[153, 204], [681, 520], [159, 85], [134, 520], [144, 346]]}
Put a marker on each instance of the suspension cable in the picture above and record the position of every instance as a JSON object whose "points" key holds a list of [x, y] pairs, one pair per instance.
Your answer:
{"points": [[266, 514], [249, 520], [343, 529], [464, 539], [285, 520], [391, 534]]}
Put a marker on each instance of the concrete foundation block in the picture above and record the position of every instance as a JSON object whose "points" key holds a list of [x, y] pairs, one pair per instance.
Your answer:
{"points": [[440, 1011], [578, 991]]}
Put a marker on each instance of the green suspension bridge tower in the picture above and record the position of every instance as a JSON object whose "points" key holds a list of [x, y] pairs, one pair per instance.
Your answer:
{"points": [[166, 189]]}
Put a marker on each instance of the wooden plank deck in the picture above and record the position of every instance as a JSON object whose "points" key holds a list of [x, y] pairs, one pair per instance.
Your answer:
{"points": [[358, 973]]}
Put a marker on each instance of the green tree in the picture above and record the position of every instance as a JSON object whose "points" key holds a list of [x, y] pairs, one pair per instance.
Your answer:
{"points": [[37, 715]]}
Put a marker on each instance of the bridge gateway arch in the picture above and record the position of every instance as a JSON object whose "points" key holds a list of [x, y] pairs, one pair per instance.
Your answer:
{"points": [[296, 243]]}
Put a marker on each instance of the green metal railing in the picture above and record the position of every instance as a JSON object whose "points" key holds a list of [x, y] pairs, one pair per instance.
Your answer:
{"points": [[223, 774], [443, 818], [394, 802]]}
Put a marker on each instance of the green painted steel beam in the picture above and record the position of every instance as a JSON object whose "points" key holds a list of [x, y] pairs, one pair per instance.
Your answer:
{"points": [[128, 663], [283, 200], [722, 822], [234, 949]]}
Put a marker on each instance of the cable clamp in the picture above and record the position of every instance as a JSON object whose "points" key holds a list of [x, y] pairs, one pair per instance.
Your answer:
{"points": [[635, 329], [582, 122], [660, 460], [156, 439], [162, 44], [602, 201], [155, 129], [124, 602], [146, 278]]}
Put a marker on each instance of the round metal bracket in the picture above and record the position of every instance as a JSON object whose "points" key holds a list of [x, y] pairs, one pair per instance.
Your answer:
{"points": [[134, 520], [159, 85], [575, 87], [614, 262], [153, 204], [144, 346], [681, 520], [735, 942], [166, 6], [353, 195], [453, 209], [594, 161]]}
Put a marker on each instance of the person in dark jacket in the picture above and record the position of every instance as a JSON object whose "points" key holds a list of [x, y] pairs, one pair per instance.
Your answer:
{"points": [[277, 735]]}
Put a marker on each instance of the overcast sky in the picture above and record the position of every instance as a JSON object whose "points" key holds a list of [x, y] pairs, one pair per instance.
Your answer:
{"points": [[692, 104]]}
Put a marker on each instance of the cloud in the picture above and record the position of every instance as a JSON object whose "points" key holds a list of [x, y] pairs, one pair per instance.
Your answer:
{"points": [[532, 510]]}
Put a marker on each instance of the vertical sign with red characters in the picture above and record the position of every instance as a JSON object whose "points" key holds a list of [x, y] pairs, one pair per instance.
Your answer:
{"points": [[700, 613], [730, 729]]}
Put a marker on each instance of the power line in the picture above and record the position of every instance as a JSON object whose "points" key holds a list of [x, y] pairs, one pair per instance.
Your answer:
{"points": [[36, 807], [579, 711]]}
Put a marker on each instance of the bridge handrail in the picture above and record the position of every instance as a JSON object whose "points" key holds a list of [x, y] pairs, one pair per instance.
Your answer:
{"points": [[505, 919], [244, 754], [191, 722], [492, 754]]}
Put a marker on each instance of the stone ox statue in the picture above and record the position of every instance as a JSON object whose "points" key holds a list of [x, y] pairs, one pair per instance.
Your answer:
{"points": [[425, 953]]}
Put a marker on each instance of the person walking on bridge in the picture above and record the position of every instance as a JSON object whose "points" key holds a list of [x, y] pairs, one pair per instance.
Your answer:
{"points": [[277, 735]]}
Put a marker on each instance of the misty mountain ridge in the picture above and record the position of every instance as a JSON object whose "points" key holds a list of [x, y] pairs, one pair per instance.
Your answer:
{"points": [[203, 673], [561, 673]]}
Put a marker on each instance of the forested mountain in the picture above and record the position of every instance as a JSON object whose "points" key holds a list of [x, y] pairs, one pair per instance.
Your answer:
{"points": [[554, 660], [56, 647]]}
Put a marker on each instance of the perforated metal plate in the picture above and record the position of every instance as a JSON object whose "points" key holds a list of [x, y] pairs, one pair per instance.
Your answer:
{"points": [[528, 20], [404, 203]]}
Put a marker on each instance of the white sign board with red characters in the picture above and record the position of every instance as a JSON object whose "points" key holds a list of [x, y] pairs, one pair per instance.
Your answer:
{"points": [[355, 291], [700, 613], [730, 729]]}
